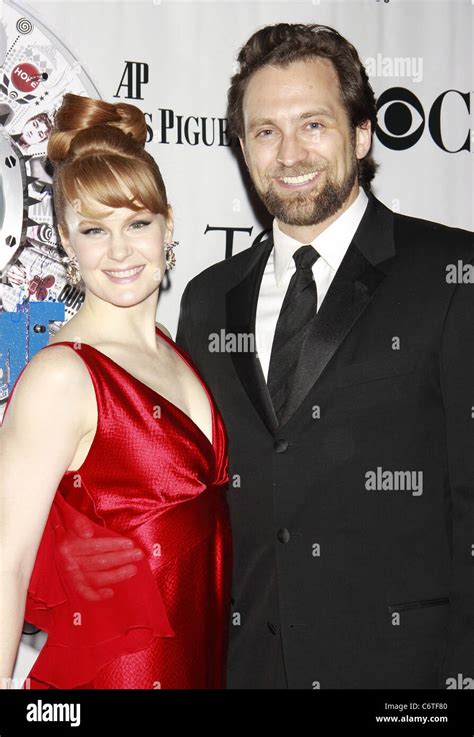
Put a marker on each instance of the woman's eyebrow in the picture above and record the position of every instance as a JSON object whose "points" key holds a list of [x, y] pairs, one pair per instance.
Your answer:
{"points": [[95, 221]]}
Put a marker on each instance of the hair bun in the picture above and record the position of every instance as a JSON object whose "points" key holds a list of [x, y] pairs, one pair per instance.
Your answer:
{"points": [[82, 125]]}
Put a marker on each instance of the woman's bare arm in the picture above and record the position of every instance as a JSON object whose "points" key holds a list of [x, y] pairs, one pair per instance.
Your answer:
{"points": [[47, 416]]}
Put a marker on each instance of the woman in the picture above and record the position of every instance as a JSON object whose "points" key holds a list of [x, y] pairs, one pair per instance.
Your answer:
{"points": [[111, 423]]}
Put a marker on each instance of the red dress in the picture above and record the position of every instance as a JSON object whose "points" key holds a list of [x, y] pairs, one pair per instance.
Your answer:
{"points": [[151, 475]]}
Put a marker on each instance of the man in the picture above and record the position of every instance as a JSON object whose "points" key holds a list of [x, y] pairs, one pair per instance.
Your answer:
{"points": [[350, 417]]}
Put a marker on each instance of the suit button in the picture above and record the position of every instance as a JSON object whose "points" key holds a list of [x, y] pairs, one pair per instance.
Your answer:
{"points": [[281, 445], [284, 535], [273, 627]]}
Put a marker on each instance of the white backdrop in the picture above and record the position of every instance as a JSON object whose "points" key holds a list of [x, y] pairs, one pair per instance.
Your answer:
{"points": [[187, 50], [184, 55]]}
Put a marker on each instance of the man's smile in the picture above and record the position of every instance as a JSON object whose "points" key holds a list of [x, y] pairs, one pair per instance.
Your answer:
{"points": [[300, 182]]}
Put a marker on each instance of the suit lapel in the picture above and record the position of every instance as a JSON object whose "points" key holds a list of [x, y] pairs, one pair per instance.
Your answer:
{"points": [[241, 307], [361, 271]]}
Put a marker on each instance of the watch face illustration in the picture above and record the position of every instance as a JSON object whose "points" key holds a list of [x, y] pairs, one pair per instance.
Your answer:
{"points": [[36, 70]]}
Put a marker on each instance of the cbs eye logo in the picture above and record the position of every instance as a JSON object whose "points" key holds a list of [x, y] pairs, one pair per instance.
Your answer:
{"points": [[402, 119]]}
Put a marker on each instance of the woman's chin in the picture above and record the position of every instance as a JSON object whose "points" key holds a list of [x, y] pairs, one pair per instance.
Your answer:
{"points": [[124, 295]]}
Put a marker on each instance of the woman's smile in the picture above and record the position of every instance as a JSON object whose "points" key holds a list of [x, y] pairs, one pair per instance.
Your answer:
{"points": [[124, 276]]}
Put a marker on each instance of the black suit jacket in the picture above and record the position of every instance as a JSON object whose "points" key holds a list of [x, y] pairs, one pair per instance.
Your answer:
{"points": [[337, 584]]}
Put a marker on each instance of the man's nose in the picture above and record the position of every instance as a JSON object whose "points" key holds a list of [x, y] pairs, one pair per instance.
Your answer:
{"points": [[291, 151]]}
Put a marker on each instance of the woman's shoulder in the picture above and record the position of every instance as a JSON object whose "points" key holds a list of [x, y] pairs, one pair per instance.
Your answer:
{"points": [[56, 363], [53, 394], [53, 374]]}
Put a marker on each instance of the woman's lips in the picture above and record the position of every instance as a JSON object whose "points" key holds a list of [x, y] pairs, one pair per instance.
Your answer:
{"points": [[130, 275]]}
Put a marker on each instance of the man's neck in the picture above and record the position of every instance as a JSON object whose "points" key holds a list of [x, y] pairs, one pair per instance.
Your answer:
{"points": [[307, 233]]}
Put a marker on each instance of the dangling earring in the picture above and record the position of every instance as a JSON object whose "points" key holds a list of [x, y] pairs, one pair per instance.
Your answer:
{"points": [[170, 255], [73, 275]]}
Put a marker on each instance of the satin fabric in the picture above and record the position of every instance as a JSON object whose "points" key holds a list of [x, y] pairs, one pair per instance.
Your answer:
{"points": [[153, 476]]}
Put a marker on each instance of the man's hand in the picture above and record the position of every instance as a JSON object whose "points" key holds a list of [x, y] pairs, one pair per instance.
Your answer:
{"points": [[93, 563]]}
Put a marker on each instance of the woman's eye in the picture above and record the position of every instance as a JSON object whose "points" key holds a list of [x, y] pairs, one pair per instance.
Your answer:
{"points": [[98, 230], [317, 126], [141, 222]]}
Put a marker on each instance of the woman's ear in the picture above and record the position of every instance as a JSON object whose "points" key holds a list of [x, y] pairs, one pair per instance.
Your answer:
{"points": [[65, 241], [169, 225]]}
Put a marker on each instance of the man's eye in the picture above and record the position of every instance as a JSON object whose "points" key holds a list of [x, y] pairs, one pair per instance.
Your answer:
{"points": [[317, 125], [263, 134]]}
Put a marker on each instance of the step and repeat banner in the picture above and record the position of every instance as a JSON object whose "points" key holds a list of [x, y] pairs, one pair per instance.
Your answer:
{"points": [[174, 60]]}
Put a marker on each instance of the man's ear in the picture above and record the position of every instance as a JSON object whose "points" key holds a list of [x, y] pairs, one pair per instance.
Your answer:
{"points": [[363, 139]]}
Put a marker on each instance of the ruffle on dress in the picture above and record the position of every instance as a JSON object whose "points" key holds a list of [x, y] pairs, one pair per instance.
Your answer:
{"points": [[84, 635]]}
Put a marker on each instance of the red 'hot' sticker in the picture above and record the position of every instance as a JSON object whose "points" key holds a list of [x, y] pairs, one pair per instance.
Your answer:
{"points": [[26, 77]]}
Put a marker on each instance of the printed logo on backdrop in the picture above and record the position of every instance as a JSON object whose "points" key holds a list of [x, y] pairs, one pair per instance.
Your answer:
{"points": [[402, 116], [172, 126], [402, 119], [35, 299]]}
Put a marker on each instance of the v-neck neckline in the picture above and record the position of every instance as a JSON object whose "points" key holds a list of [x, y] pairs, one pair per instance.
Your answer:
{"points": [[184, 414]]}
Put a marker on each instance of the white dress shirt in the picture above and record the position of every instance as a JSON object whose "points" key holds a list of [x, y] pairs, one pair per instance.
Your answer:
{"points": [[331, 244]]}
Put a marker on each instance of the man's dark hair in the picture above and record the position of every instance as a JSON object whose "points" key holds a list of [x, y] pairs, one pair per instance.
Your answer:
{"points": [[284, 43]]}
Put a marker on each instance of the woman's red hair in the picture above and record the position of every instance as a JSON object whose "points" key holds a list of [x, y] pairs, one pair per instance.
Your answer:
{"points": [[97, 149]]}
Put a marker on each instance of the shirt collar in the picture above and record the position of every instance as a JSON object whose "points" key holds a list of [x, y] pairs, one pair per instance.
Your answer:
{"points": [[331, 244]]}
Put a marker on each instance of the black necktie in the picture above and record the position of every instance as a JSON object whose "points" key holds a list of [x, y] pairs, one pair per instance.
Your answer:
{"points": [[298, 309]]}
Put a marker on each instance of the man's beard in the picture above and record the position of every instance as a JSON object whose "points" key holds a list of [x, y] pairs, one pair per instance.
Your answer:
{"points": [[314, 206]]}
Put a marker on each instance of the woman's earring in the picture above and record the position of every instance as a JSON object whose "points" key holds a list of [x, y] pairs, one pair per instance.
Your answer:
{"points": [[73, 275], [170, 255]]}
